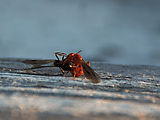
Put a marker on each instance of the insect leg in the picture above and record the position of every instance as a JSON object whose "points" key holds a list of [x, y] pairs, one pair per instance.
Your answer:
{"points": [[60, 54], [63, 58], [65, 74], [62, 70], [56, 56], [75, 71], [74, 75]]}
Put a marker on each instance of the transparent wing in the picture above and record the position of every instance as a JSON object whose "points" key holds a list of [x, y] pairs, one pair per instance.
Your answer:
{"points": [[90, 73], [39, 63]]}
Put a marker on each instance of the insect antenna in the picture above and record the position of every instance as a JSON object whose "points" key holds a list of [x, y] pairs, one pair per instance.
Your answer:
{"points": [[79, 51]]}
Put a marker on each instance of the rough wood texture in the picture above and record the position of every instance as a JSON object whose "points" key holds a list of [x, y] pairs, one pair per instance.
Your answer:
{"points": [[126, 92]]}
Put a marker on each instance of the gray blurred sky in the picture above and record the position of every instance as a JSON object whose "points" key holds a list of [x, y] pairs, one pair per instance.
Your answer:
{"points": [[116, 31]]}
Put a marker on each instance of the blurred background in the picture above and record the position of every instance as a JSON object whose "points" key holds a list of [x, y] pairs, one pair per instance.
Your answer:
{"points": [[113, 31]]}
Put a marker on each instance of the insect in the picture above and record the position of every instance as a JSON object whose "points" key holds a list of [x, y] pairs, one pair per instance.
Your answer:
{"points": [[72, 63]]}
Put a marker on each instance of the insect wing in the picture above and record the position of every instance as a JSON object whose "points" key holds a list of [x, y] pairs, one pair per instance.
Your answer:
{"points": [[90, 73], [39, 63]]}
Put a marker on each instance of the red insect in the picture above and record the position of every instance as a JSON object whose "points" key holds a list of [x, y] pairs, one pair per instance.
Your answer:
{"points": [[72, 63], [78, 66]]}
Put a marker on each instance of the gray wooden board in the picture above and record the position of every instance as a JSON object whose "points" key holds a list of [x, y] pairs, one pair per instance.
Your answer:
{"points": [[125, 92]]}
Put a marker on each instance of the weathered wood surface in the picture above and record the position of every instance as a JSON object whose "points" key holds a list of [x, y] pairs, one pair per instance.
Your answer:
{"points": [[126, 92]]}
